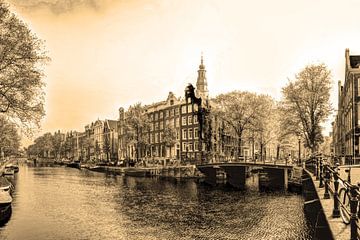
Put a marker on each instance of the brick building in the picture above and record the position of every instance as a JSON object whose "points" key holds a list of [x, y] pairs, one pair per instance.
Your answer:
{"points": [[346, 127], [175, 113]]}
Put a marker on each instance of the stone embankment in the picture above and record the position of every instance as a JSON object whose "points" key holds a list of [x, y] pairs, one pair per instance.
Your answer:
{"points": [[186, 171]]}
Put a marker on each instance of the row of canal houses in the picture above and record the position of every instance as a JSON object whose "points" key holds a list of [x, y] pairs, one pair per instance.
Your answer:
{"points": [[105, 139]]}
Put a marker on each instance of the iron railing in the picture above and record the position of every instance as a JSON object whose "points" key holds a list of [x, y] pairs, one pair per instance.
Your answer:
{"points": [[329, 178]]}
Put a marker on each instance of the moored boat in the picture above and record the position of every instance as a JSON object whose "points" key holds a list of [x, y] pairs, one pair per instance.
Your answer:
{"points": [[136, 172], [75, 164], [5, 206], [5, 200], [6, 185], [8, 170]]}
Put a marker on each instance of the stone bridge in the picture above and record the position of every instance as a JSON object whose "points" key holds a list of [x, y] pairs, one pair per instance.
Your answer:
{"points": [[275, 174]]}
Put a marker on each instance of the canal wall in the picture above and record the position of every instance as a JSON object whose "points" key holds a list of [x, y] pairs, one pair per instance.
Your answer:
{"points": [[314, 209], [188, 171]]}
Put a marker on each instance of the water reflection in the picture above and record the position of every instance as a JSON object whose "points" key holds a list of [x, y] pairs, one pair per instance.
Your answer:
{"points": [[65, 203]]}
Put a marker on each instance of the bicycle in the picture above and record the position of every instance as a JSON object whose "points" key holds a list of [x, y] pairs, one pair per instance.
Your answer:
{"points": [[344, 198]]}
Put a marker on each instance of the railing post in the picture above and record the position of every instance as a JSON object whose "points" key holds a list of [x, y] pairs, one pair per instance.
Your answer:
{"points": [[353, 211], [317, 169], [321, 183], [336, 211], [327, 180], [358, 213]]}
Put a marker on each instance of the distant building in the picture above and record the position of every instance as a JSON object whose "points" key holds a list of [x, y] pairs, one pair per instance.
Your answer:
{"points": [[346, 127], [174, 113], [181, 116]]}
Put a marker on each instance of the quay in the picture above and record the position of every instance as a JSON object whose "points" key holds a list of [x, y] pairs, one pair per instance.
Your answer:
{"points": [[322, 184], [186, 171]]}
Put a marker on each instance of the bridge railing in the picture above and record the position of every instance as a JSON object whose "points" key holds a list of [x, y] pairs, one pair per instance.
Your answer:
{"points": [[330, 179]]}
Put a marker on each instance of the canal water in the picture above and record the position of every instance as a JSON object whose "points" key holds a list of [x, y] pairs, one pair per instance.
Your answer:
{"points": [[66, 203]]}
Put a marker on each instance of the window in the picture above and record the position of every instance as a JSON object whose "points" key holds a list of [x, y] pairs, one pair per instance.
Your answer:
{"points": [[190, 120], [150, 116], [184, 147], [184, 133], [161, 125], [161, 115], [189, 108], [195, 107], [196, 133], [183, 109], [177, 146], [177, 134], [177, 122], [190, 133], [160, 137], [156, 116], [190, 146], [151, 127], [195, 119], [156, 137], [196, 146], [183, 121], [156, 124], [176, 111]]}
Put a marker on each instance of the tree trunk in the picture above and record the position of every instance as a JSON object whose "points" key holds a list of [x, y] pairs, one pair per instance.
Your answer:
{"points": [[239, 148]]}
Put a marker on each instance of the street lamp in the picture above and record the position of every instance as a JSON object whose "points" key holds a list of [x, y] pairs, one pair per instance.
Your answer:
{"points": [[299, 159]]}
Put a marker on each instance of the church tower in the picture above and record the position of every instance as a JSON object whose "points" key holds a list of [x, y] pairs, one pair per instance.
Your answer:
{"points": [[201, 83]]}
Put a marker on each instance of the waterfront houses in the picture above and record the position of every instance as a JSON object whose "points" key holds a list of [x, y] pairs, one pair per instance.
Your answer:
{"points": [[175, 114], [346, 126], [179, 129]]}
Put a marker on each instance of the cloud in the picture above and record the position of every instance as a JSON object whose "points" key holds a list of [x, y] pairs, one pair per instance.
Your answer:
{"points": [[59, 6]]}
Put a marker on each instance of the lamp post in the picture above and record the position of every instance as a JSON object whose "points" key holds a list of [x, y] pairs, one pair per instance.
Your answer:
{"points": [[299, 141]]}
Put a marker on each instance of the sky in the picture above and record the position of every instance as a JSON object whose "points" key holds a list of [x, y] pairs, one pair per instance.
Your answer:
{"points": [[108, 54]]}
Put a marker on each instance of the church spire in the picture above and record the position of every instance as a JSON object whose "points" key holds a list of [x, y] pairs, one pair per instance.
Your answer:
{"points": [[201, 83]]}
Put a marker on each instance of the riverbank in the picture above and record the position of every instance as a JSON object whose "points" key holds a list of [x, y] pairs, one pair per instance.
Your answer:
{"points": [[186, 171]]}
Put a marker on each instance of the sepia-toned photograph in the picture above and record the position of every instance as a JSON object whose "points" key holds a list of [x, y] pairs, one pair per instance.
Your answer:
{"points": [[179, 120]]}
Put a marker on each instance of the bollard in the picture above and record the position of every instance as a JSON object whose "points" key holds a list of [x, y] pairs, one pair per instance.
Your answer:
{"points": [[336, 211], [327, 181], [317, 169], [353, 210], [321, 183]]}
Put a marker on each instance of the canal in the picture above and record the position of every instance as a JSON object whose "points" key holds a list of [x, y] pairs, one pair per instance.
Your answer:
{"points": [[66, 203]]}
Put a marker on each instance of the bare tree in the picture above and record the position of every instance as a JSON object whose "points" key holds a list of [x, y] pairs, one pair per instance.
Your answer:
{"points": [[306, 104], [137, 125], [265, 127], [169, 137], [239, 110], [21, 58]]}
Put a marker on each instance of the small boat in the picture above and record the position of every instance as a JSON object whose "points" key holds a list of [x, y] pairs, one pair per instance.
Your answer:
{"points": [[6, 185], [6, 189], [15, 167], [5, 206], [12, 166], [9, 170], [136, 172], [75, 164]]}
